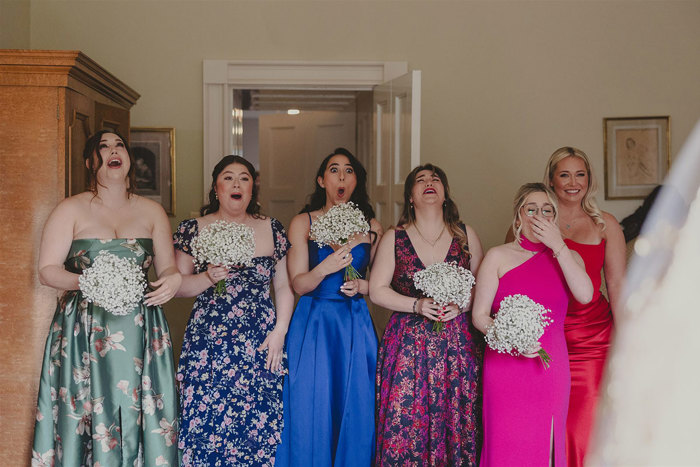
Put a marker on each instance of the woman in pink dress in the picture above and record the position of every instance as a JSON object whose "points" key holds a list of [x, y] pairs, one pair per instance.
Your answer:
{"points": [[525, 405], [598, 238]]}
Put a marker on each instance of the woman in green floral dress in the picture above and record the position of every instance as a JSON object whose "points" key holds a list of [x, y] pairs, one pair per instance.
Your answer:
{"points": [[107, 392]]}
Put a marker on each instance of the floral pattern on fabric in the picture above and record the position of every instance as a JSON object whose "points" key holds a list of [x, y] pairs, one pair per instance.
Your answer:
{"points": [[231, 407], [428, 383], [107, 391]]}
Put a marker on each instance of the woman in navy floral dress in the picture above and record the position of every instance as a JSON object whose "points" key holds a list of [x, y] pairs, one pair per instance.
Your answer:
{"points": [[428, 382], [231, 368]]}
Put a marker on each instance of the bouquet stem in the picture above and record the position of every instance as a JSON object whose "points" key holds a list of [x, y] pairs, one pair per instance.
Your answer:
{"points": [[351, 273], [544, 358], [220, 288], [438, 326]]}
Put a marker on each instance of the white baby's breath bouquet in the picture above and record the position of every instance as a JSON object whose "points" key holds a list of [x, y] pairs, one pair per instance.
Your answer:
{"points": [[445, 283], [337, 227], [116, 284], [225, 244], [518, 326]]}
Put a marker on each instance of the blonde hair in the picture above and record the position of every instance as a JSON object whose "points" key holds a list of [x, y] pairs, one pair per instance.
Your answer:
{"points": [[588, 203], [520, 197]]}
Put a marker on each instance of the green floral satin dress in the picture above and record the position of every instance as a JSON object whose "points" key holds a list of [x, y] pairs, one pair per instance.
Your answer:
{"points": [[107, 392]]}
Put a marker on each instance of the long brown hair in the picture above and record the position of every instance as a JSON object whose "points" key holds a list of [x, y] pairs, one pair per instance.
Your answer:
{"points": [[588, 203], [450, 213]]}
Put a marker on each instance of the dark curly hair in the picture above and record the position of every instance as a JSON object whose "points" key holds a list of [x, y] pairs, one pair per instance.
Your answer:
{"points": [[253, 206], [94, 164], [359, 196]]}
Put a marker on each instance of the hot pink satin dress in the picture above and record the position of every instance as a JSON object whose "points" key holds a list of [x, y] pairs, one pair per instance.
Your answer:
{"points": [[524, 403], [588, 329]]}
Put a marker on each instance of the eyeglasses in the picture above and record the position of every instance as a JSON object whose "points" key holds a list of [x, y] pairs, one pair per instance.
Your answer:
{"points": [[531, 210]]}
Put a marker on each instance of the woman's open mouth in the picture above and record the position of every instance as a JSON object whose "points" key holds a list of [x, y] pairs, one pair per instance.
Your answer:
{"points": [[429, 191], [114, 163], [341, 192], [236, 196]]}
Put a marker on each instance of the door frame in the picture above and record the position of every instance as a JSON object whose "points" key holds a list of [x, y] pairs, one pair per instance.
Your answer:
{"points": [[221, 77]]}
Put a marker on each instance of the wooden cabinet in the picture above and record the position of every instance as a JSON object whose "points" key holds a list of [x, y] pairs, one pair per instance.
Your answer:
{"points": [[50, 102]]}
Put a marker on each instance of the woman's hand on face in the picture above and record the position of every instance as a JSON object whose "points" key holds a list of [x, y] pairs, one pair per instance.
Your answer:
{"points": [[216, 273], [350, 288], [450, 312], [165, 288], [546, 231], [532, 353], [336, 261], [427, 308], [274, 343]]}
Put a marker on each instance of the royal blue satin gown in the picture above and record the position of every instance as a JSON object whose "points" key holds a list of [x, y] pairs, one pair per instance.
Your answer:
{"points": [[329, 391]]}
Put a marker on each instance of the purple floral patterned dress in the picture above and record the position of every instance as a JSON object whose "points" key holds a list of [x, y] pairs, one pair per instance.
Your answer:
{"points": [[231, 407], [428, 383]]}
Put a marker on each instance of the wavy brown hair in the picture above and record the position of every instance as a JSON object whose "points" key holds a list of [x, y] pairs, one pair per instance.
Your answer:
{"points": [[450, 213], [95, 163], [588, 203]]}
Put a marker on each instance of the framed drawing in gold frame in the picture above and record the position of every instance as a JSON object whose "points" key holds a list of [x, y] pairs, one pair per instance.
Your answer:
{"points": [[637, 155], [153, 151]]}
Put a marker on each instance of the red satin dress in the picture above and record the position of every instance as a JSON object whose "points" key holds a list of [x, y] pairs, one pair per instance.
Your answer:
{"points": [[588, 329]]}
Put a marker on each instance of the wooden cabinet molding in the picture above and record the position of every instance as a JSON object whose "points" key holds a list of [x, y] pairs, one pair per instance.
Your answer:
{"points": [[50, 102]]}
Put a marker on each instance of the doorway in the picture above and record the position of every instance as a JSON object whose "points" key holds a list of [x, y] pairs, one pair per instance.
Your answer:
{"points": [[388, 119], [286, 134]]}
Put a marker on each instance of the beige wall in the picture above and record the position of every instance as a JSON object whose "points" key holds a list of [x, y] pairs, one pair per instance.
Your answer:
{"points": [[504, 83], [14, 24]]}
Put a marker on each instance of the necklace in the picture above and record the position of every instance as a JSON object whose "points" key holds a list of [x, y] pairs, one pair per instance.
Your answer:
{"points": [[432, 244]]}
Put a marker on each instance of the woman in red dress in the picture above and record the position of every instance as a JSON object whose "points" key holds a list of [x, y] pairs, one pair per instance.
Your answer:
{"points": [[598, 238]]}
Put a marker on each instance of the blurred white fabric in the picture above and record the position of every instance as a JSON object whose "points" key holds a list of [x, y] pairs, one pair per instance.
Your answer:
{"points": [[649, 413]]}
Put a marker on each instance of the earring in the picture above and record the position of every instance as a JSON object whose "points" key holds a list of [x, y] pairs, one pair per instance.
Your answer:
{"points": [[216, 195]]}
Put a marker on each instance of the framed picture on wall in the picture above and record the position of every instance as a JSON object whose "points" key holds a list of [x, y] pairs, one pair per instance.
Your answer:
{"points": [[153, 151], [637, 155]]}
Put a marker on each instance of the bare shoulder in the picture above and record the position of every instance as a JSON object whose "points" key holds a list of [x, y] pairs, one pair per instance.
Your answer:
{"points": [[500, 251], [471, 233], [389, 235], [375, 226], [79, 201], [611, 224], [609, 218], [300, 224], [145, 204]]}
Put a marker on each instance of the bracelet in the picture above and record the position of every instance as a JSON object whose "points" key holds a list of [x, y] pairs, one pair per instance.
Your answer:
{"points": [[556, 253], [414, 306]]}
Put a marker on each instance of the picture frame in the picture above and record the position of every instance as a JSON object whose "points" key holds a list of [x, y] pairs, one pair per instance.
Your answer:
{"points": [[637, 155], [153, 152]]}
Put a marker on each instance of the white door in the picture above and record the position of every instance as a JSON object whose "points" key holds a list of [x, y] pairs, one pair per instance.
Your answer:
{"points": [[291, 147], [396, 143], [395, 152]]}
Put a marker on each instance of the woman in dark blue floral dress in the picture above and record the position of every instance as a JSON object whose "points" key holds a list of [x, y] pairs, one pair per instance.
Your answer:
{"points": [[231, 368], [428, 382]]}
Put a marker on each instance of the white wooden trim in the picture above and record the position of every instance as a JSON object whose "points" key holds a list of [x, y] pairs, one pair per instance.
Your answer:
{"points": [[220, 77], [415, 119]]}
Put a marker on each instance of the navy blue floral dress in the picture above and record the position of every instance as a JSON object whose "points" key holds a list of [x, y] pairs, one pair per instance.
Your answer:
{"points": [[231, 406]]}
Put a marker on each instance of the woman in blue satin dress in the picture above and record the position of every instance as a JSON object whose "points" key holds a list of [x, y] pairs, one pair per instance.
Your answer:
{"points": [[331, 343]]}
